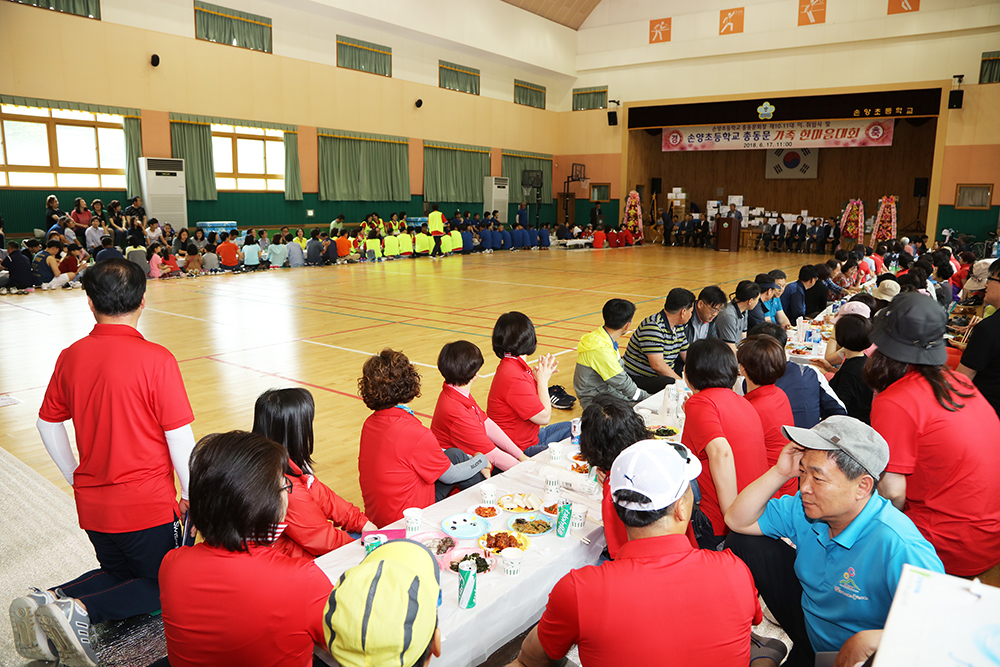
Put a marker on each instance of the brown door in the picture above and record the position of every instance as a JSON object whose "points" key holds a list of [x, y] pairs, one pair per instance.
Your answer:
{"points": [[566, 207]]}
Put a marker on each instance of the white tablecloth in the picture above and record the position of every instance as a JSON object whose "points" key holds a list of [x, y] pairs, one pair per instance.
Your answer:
{"points": [[506, 606]]}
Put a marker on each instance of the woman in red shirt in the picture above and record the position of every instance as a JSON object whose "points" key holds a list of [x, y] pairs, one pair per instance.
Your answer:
{"points": [[762, 361], [400, 462], [519, 398], [318, 520], [944, 438], [458, 419], [239, 493]]}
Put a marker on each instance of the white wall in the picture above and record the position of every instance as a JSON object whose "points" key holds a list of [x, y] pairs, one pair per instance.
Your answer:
{"points": [[858, 45]]}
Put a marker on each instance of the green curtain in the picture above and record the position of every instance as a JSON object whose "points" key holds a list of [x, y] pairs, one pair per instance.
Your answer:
{"points": [[595, 97], [193, 142], [231, 26], [454, 172], [88, 8], [364, 56], [293, 179], [514, 162], [357, 166], [209, 120], [599, 192], [530, 94], [458, 77], [133, 151], [989, 71], [75, 106]]}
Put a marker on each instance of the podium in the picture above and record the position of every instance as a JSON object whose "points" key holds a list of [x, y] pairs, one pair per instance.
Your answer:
{"points": [[728, 235]]}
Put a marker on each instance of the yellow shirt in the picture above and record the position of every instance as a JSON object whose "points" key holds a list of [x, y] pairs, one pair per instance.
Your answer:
{"points": [[435, 223], [445, 244], [302, 241], [456, 240], [373, 244], [405, 243], [423, 243], [391, 246]]}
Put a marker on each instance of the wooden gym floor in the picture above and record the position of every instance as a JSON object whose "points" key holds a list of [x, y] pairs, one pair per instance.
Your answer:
{"points": [[238, 335]]}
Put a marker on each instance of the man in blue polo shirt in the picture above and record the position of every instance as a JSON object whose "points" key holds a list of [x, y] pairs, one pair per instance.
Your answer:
{"points": [[851, 543]]}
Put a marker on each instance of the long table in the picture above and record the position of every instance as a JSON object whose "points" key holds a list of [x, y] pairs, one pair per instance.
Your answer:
{"points": [[506, 606]]}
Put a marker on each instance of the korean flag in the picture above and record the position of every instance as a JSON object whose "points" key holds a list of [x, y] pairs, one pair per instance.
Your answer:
{"points": [[793, 163]]}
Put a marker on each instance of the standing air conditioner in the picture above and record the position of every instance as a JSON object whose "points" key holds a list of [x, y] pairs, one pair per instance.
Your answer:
{"points": [[496, 196], [164, 194]]}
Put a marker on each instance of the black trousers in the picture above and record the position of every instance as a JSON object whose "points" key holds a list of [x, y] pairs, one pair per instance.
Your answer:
{"points": [[127, 583], [772, 564], [651, 384], [437, 247]]}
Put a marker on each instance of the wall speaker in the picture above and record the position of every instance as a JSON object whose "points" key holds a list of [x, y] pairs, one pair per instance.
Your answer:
{"points": [[612, 118], [955, 99], [920, 187], [155, 60], [418, 103], [656, 186]]}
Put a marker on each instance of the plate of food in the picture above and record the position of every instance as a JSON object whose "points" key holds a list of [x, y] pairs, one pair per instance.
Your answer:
{"points": [[439, 543], [485, 511], [578, 457], [531, 524], [498, 540], [550, 510], [519, 502], [485, 561], [664, 431], [465, 526], [581, 467]]}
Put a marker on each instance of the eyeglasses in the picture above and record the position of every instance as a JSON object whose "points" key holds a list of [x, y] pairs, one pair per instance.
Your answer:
{"points": [[287, 486], [714, 309], [994, 280]]}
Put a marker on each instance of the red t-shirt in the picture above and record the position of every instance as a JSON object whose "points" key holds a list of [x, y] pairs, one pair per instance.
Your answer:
{"points": [[315, 517], [399, 460], [69, 264], [720, 413], [460, 422], [959, 277], [599, 239], [229, 254], [122, 392], [614, 530], [950, 460], [513, 401], [277, 601], [775, 411], [343, 246], [617, 613]]}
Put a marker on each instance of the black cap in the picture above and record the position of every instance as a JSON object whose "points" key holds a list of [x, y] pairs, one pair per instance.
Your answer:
{"points": [[911, 330]]}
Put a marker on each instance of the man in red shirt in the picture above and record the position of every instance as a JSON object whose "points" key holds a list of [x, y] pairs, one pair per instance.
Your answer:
{"points": [[617, 613], [133, 432], [228, 252]]}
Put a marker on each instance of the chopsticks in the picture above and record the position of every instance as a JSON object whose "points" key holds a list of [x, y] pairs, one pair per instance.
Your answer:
{"points": [[580, 537]]}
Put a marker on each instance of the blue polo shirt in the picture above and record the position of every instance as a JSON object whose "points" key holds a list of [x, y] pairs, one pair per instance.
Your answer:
{"points": [[848, 581], [772, 307], [793, 301]]}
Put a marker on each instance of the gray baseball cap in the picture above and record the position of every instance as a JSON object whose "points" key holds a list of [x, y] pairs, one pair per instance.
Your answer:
{"points": [[859, 440]]}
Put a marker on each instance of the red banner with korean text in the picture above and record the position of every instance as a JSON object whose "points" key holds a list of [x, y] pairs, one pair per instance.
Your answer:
{"points": [[857, 133]]}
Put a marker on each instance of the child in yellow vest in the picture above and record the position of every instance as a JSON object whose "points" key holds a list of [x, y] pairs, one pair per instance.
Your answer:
{"points": [[422, 242], [390, 246], [405, 243]]}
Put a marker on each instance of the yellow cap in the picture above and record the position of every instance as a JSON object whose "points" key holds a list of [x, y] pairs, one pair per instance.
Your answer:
{"points": [[383, 611]]}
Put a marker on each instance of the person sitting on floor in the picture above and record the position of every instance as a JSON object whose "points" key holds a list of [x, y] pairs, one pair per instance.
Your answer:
{"points": [[18, 270], [422, 242], [599, 368], [660, 342], [616, 613], [851, 542], [400, 462], [458, 420], [108, 250], [852, 333], [317, 520], [45, 267]]}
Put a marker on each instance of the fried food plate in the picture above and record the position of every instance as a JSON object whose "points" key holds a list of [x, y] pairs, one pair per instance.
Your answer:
{"points": [[520, 541]]}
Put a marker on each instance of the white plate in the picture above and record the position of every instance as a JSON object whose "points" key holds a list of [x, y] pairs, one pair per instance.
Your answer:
{"points": [[472, 510]]}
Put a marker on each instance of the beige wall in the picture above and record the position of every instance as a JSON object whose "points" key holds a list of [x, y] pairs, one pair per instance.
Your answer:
{"points": [[972, 148]]}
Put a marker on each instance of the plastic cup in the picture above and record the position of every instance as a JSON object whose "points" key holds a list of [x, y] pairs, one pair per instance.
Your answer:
{"points": [[551, 485], [579, 516], [512, 557], [556, 450], [488, 492], [413, 515]]}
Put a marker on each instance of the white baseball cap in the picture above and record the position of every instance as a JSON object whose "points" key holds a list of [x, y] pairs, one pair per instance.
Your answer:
{"points": [[658, 469]]}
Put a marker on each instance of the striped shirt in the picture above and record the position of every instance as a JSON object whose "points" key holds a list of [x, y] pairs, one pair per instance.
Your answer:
{"points": [[654, 336]]}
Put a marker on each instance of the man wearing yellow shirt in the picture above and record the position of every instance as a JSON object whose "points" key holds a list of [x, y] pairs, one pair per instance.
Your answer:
{"points": [[435, 224]]}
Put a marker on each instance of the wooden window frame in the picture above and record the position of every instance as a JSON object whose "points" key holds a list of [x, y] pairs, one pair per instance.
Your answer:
{"points": [[50, 122], [236, 173], [989, 198], [598, 185]]}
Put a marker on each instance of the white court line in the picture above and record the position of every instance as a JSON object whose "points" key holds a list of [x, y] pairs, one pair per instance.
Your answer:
{"points": [[367, 354], [500, 282], [556, 354]]}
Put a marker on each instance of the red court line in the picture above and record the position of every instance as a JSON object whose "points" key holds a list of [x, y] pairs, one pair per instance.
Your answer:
{"points": [[307, 384]]}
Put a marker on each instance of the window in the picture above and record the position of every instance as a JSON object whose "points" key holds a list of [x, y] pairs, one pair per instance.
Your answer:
{"points": [[590, 98], [989, 67], [529, 94], [88, 8], [973, 196], [458, 77], [364, 56], [248, 158], [223, 25], [47, 148], [600, 192]]}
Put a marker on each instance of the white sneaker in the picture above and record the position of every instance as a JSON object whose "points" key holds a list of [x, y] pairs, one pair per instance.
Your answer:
{"points": [[68, 626], [45, 287], [29, 638], [3, 290]]}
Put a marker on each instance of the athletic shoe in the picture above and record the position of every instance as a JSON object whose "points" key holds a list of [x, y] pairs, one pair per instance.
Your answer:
{"points": [[560, 399], [67, 625], [3, 290], [29, 638], [68, 286], [45, 287]]}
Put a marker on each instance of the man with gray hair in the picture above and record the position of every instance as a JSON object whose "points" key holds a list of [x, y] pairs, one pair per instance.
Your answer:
{"points": [[851, 543]]}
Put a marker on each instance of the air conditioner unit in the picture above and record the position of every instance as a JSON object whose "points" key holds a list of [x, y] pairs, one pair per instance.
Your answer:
{"points": [[164, 193], [496, 195]]}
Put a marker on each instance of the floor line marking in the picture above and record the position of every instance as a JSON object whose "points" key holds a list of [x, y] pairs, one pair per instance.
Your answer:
{"points": [[367, 354]]}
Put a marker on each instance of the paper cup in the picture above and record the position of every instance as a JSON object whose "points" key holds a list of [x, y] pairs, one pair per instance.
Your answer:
{"points": [[579, 516], [489, 493], [413, 515], [511, 561], [556, 450]]}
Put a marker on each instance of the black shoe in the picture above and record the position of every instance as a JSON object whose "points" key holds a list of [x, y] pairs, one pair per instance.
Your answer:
{"points": [[560, 399]]}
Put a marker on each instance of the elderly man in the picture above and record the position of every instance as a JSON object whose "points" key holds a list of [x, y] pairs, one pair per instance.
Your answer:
{"points": [[652, 352], [617, 613], [851, 543]]}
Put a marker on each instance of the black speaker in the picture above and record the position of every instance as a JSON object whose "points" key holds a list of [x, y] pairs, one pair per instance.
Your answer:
{"points": [[656, 186], [955, 99], [155, 61], [418, 103], [612, 118], [920, 187], [531, 178]]}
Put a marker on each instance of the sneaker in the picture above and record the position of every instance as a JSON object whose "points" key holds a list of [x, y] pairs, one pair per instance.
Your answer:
{"points": [[45, 287], [68, 286], [67, 625], [29, 638], [560, 399]]}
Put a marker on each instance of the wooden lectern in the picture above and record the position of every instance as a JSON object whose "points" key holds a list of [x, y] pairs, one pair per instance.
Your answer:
{"points": [[727, 237]]}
